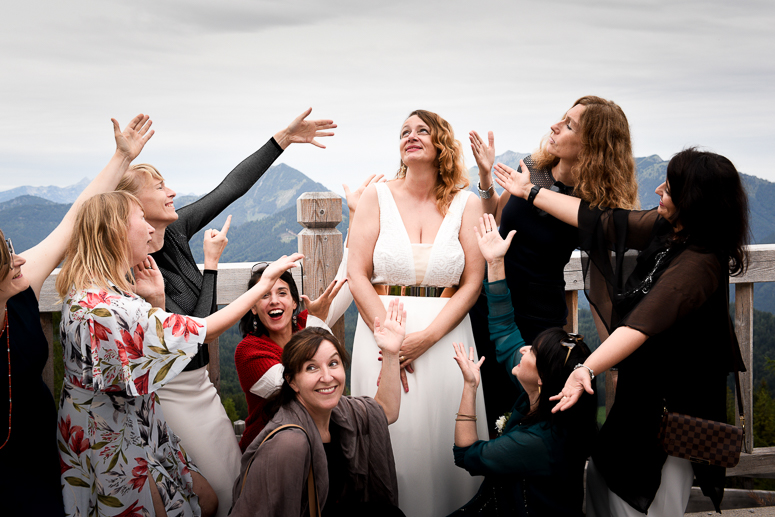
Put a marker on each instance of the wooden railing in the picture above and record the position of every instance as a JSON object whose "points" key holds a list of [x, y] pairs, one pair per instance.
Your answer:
{"points": [[321, 243]]}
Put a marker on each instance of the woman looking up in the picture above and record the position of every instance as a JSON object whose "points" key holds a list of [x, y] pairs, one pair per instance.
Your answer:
{"points": [[536, 465], [117, 452], [587, 154], [191, 404], [412, 237], [679, 286], [29, 477]]}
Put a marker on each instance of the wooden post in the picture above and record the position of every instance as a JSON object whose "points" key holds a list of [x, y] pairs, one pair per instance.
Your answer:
{"points": [[321, 243], [744, 331], [572, 302], [47, 323]]}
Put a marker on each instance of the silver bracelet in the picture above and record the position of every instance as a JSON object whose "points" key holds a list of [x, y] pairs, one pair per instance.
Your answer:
{"points": [[485, 194], [591, 372]]}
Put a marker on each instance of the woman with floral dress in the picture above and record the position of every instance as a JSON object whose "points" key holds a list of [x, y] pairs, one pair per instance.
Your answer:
{"points": [[117, 454]]}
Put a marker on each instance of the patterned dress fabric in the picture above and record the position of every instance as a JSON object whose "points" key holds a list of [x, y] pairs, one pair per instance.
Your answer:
{"points": [[422, 438], [118, 350]]}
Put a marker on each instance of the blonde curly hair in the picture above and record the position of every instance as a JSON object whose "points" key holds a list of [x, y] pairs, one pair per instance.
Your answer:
{"points": [[453, 175]]}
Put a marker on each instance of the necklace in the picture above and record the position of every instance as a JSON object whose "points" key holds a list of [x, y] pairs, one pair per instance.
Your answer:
{"points": [[10, 400]]}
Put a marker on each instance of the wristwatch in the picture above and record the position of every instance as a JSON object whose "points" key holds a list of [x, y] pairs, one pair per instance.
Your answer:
{"points": [[485, 194], [533, 193]]}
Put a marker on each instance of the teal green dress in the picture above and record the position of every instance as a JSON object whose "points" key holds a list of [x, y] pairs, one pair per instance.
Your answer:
{"points": [[529, 469]]}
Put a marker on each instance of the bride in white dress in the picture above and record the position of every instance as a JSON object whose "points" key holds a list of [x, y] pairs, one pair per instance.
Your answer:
{"points": [[417, 230]]}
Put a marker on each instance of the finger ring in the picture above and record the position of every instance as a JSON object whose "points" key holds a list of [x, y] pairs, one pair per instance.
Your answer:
{"points": [[401, 358]]}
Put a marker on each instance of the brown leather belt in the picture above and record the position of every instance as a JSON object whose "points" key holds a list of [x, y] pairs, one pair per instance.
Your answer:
{"points": [[422, 291]]}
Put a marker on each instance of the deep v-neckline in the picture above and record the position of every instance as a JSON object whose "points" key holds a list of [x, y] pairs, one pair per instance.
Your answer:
{"points": [[403, 225]]}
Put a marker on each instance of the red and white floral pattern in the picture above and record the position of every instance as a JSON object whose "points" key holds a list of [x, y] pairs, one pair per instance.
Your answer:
{"points": [[111, 431]]}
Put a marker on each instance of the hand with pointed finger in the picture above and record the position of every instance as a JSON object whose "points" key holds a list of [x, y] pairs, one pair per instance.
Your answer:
{"points": [[484, 154], [319, 307], [214, 243], [354, 196], [302, 131], [133, 138], [516, 183]]}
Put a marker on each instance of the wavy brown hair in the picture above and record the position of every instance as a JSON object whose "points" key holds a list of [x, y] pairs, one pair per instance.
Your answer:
{"points": [[453, 176], [98, 254], [605, 168]]}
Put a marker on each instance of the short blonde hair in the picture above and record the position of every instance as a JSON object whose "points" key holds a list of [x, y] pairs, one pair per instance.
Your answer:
{"points": [[98, 253], [453, 175], [137, 176]]}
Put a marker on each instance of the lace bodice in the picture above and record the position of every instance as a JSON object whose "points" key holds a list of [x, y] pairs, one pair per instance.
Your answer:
{"points": [[393, 257]]}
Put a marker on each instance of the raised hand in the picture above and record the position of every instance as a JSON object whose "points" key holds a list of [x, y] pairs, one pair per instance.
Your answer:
{"points": [[319, 307], [354, 196], [516, 183], [149, 284], [390, 334], [484, 154], [214, 243], [134, 137], [278, 267], [468, 365], [301, 131], [491, 244]]}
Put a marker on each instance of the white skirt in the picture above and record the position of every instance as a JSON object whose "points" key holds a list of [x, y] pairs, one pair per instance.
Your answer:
{"points": [[429, 483], [194, 411]]}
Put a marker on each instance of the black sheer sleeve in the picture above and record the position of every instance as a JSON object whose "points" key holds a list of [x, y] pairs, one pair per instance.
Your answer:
{"points": [[194, 217]]}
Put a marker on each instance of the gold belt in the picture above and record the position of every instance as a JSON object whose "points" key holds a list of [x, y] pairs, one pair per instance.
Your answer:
{"points": [[422, 291]]}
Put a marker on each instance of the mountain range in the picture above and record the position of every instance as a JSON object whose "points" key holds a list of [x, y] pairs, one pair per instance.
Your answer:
{"points": [[264, 219]]}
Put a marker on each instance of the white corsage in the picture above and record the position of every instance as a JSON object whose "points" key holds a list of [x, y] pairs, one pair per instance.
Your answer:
{"points": [[500, 424]]}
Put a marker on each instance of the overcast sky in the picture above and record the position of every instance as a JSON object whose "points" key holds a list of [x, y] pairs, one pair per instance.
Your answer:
{"points": [[219, 78]]}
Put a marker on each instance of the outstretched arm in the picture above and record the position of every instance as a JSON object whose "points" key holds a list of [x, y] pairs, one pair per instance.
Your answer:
{"points": [[565, 208], [218, 322], [620, 344], [301, 131], [195, 216], [43, 258]]}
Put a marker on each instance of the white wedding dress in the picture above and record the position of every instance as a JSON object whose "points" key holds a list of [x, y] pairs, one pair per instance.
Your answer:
{"points": [[429, 483]]}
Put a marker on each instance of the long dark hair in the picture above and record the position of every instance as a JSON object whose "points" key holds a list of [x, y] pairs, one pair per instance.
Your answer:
{"points": [[711, 205], [251, 323], [554, 366], [301, 348]]}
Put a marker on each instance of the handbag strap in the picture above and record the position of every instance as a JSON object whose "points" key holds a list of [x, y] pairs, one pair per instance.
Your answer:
{"points": [[312, 491]]}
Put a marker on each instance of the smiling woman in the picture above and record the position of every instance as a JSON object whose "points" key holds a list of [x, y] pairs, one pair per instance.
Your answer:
{"points": [[193, 406], [29, 479], [119, 349], [341, 443]]}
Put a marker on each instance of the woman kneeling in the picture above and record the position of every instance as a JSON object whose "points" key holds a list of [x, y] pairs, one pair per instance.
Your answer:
{"points": [[536, 466], [341, 443]]}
